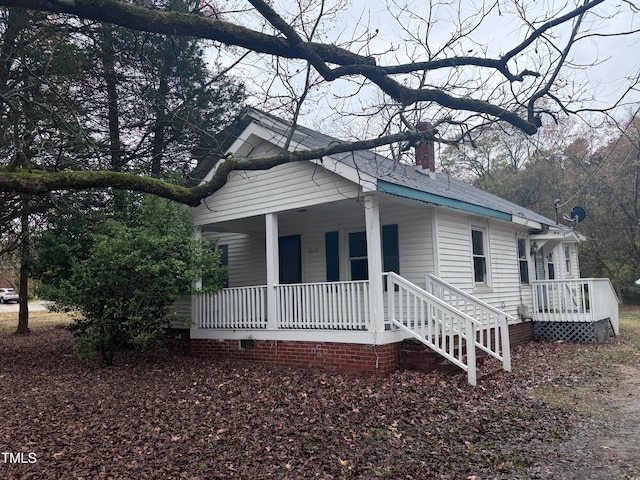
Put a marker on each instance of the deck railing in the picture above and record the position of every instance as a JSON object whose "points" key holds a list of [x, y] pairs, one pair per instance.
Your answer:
{"points": [[493, 331], [445, 329], [324, 306], [580, 300], [232, 308]]}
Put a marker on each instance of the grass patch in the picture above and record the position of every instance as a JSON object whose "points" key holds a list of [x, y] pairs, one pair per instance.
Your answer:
{"points": [[587, 371], [41, 320]]}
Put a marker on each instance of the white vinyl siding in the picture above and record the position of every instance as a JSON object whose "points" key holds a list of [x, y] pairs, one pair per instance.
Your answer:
{"points": [[247, 261], [414, 241], [285, 187], [180, 313], [506, 289], [456, 261], [454, 250]]}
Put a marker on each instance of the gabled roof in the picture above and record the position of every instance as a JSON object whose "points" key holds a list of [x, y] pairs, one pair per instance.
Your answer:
{"points": [[405, 180]]}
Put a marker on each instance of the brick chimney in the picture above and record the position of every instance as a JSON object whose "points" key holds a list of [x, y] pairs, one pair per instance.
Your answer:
{"points": [[425, 151]]}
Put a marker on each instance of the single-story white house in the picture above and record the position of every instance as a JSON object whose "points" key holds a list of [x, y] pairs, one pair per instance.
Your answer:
{"points": [[335, 262]]}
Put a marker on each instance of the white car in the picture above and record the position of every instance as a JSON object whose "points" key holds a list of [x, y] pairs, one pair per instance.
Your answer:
{"points": [[8, 295]]}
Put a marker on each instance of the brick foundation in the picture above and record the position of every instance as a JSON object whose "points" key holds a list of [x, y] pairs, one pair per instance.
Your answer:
{"points": [[520, 333], [339, 357]]}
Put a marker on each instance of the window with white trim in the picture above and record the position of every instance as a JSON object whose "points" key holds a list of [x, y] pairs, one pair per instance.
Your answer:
{"points": [[358, 263], [551, 269], [567, 261], [523, 262], [357, 267], [479, 251]]}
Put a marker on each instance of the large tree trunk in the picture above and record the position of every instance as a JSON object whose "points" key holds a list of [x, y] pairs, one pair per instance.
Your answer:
{"points": [[160, 122], [111, 82], [23, 288]]}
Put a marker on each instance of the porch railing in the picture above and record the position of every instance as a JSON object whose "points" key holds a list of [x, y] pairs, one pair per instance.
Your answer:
{"points": [[232, 308], [445, 329], [493, 331], [580, 300], [324, 306]]}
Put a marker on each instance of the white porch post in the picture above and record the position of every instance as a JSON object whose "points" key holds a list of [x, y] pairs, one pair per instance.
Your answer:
{"points": [[271, 229], [374, 260]]}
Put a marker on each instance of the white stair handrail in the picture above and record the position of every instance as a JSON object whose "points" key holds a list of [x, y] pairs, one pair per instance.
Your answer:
{"points": [[501, 353], [475, 300], [433, 322]]}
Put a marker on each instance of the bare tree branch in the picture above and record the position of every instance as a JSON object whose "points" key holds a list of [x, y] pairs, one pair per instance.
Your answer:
{"points": [[510, 86], [22, 181], [318, 54]]}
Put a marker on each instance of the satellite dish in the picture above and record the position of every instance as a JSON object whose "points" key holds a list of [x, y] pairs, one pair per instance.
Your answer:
{"points": [[577, 215]]}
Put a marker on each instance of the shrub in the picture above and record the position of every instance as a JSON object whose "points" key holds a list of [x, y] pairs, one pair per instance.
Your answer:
{"points": [[127, 277]]}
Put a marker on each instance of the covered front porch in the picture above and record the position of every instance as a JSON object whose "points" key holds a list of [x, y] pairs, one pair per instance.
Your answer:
{"points": [[318, 267], [341, 313]]}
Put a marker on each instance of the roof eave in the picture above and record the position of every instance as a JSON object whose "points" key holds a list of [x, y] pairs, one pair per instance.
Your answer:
{"points": [[526, 222], [557, 233], [406, 192]]}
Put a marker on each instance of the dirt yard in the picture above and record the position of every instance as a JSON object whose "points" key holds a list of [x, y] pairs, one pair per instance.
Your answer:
{"points": [[605, 443], [567, 411]]}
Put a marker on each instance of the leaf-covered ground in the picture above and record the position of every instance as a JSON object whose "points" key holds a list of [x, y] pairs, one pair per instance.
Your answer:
{"points": [[170, 416]]}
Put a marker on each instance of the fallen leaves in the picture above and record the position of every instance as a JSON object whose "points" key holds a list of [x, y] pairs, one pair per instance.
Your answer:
{"points": [[172, 416]]}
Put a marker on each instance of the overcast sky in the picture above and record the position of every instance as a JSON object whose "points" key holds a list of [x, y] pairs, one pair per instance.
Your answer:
{"points": [[604, 62], [608, 59]]}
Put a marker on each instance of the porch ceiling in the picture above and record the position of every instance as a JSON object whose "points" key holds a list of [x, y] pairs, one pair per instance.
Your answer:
{"points": [[256, 224], [343, 211]]}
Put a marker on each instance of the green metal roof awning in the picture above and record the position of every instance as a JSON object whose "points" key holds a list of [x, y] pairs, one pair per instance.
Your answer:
{"points": [[406, 192]]}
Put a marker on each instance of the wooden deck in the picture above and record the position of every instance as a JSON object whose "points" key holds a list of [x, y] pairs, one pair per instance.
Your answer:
{"points": [[580, 300]]}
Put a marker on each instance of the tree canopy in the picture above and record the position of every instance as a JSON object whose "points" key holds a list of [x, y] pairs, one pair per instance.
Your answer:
{"points": [[436, 64], [569, 165]]}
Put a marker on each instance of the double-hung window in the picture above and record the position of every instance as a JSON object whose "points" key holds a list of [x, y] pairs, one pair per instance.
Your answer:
{"points": [[523, 263], [356, 253], [358, 263], [479, 250], [567, 261], [551, 270]]}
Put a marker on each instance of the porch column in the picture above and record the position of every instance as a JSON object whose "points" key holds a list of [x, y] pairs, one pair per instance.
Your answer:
{"points": [[374, 261], [271, 229]]}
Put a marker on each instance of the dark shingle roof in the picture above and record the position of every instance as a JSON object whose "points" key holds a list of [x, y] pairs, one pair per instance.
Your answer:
{"points": [[404, 175]]}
